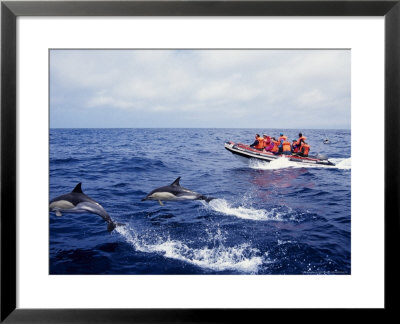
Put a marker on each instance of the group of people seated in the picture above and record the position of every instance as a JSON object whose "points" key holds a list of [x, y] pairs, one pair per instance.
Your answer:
{"points": [[282, 145]]}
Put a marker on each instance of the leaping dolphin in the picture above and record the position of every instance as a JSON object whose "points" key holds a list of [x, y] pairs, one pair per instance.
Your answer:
{"points": [[77, 202], [174, 192]]}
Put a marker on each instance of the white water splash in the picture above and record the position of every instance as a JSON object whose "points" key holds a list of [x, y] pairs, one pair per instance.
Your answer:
{"points": [[342, 164], [279, 163], [224, 207], [283, 162], [242, 258]]}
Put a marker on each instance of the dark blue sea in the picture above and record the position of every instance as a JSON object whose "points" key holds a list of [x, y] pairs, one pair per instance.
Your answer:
{"points": [[269, 218]]}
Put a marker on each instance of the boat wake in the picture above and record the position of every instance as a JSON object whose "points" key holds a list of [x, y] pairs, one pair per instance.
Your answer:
{"points": [[342, 164], [282, 163], [240, 258]]}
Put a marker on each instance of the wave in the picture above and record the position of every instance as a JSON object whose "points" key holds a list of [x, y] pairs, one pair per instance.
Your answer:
{"points": [[241, 258], [280, 213], [282, 163], [224, 207], [54, 161]]}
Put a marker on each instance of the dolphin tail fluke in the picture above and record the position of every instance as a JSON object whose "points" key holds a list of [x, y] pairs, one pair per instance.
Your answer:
{"points": [[206, 199], [111, 226]]}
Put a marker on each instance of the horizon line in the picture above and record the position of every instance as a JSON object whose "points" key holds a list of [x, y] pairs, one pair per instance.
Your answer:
{"points": [[194, 128]]}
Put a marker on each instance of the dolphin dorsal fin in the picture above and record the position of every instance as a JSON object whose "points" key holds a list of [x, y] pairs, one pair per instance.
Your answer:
{"points": [[78, 188], [176, 182]]}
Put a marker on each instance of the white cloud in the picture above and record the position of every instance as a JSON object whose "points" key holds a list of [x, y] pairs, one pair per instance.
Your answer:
{"points": [[231, 82]]}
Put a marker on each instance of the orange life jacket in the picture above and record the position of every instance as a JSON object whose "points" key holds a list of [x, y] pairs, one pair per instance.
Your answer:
{"points": [[286, 146], [260, 144], [299, 141], [275, 148], [267, 142], [305, 148], [283, 137]]}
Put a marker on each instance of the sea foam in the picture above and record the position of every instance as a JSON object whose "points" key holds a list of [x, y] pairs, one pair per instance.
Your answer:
{"points": [[283, 162], [245, 212], [242, 258]]}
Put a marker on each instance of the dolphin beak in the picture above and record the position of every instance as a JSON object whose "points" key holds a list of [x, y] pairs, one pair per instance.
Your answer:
{"points": [[145, 198]]}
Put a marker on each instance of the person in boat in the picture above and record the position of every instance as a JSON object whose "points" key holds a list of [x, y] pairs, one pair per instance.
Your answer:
{"points": [[271, 145], [304, 149], [267, 141], [300, 140], [258, 143], [295, 147], [275, 147], [286, 147], [282, 138]]}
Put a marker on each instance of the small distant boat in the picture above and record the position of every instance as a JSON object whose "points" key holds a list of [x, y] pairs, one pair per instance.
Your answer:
{"points": [[251, 153]]}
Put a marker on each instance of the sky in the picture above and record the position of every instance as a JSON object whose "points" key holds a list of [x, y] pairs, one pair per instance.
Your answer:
{"points": [[298, 89]]}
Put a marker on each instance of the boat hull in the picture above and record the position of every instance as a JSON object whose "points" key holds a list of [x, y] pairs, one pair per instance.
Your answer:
{"points": [[251, 153]]}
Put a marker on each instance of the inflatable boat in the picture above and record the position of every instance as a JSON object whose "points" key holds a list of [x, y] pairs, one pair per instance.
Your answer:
{"points": [[252, 153]]}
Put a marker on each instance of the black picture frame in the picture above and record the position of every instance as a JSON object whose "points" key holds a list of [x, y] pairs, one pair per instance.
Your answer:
{"points": [[10, 10]]}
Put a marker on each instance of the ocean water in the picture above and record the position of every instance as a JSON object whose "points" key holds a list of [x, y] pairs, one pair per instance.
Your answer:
{"points": [[267, 218]]}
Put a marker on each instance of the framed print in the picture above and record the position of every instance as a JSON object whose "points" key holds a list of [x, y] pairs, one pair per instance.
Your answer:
{"points": [[121, 123]]}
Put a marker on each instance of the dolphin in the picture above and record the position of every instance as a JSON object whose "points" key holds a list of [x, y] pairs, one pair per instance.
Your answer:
{"points": [[77, 202], [174, 192]]}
